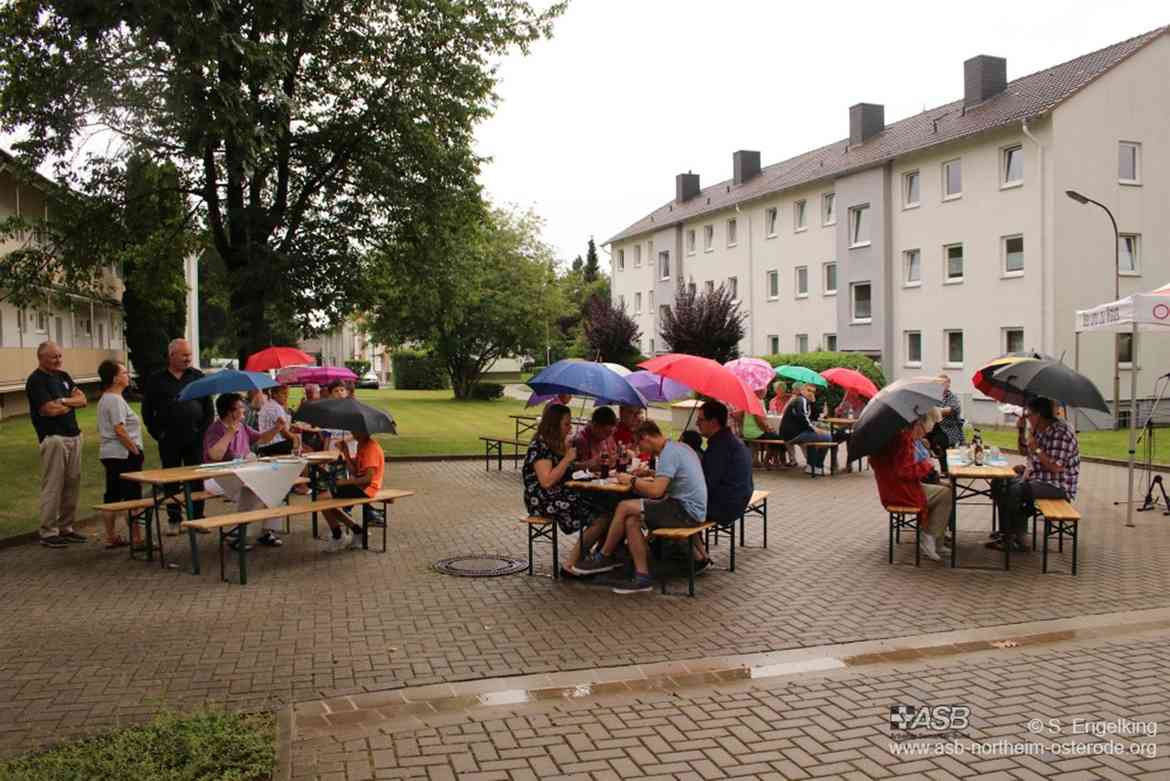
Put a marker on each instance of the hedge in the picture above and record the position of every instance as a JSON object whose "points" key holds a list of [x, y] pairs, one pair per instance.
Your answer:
{"points": [[418, 370], [819, 361]]}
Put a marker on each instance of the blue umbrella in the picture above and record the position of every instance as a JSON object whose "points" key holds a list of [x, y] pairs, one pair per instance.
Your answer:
{"points": [[585, 378], [227, 381]]}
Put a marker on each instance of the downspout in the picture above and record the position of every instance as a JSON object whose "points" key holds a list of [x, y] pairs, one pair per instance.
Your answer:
{"points": [[1044, 304], [751, 287]]}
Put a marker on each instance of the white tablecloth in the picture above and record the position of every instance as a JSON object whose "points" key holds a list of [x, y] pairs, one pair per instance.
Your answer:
{"points": [[261, 484]]}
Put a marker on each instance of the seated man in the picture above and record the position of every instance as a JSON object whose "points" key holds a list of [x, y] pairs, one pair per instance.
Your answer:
{"points": [[727, 466], [676, 497], [1054, 468], [594, 443], [796, 427], [899, 473]]}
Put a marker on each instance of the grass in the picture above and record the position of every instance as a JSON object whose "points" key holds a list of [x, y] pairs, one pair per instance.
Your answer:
{"points": [[1097, 444], [209, 745]]}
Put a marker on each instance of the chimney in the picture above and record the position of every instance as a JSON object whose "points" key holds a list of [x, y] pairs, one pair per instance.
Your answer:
{"points": [[744, 165], [686, 186], [983, 77], [866, 120]]}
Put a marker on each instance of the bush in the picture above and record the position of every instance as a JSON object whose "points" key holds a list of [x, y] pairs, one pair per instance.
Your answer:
{"points": [[487, 391], [820, 361], [358, 367], [418, 370]]}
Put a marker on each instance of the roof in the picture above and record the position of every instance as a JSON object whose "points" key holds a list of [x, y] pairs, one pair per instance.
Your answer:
{"points": [[1024, 98]]}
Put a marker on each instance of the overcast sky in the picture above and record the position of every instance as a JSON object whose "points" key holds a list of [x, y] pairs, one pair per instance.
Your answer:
{"points": [[593, 125]]}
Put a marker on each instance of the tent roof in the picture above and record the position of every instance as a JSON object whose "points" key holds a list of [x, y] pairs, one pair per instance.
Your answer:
{"points": [[1145, 311]]}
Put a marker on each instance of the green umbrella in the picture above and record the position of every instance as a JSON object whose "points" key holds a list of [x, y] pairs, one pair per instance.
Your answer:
{"points": [[801, 374]]}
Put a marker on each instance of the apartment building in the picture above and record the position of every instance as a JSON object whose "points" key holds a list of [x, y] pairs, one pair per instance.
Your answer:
{"points": [[941, 240], [89, 329]]}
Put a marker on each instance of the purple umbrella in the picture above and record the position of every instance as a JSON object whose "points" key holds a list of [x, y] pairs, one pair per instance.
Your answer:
{"points": [[319, 375], [656, 388]]}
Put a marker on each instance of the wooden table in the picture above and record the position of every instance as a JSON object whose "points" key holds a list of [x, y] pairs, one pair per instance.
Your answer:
{"points": [[600, 487], [964, 493], [843, 424]]}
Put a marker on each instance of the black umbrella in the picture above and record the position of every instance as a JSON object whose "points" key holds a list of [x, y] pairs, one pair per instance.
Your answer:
{"points": [[346, 415], [895, 407], [1054, 380]]}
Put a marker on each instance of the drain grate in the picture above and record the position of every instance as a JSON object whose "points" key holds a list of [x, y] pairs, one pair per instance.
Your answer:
{"points": [[481, 566]]}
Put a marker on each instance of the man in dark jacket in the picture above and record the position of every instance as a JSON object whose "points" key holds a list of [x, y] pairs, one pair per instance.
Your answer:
{"points": [[177, 426], [727, 465]]}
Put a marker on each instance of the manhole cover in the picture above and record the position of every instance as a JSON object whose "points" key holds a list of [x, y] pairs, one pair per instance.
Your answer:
{"points": [[481, 566]]}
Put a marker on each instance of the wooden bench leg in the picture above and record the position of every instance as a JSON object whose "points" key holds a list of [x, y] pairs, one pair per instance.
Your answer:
{"points": [[193, 536], [531, 558], [691, 562], [1074, 531], [242, 550], [1044, 557]]}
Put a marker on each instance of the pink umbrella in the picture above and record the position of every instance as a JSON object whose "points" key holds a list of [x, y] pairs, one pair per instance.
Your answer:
{"points": [[707, 377], [754, 372], [319, 375]]}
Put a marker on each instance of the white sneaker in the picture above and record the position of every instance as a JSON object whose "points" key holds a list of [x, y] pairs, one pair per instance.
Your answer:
{"points": [[356, 544], [926, 545], [335, 544]]}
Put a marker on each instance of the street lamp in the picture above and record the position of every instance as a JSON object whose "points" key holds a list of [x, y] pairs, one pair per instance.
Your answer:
{"points": [[1084, 199]]}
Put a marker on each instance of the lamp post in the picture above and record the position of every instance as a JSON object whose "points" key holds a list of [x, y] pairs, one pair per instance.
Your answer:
{"points": [[1083, 199]]}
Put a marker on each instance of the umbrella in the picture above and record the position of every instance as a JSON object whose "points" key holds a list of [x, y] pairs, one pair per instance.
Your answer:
{"points": [[997, 389], [707, 377], [801, 374], [226, 381], [277, 358], [1052, 379], [894, 408], [754, 372], [851, 380], [617, 369], [656, 388], [346, 415], [586, 378], [320, 375]]}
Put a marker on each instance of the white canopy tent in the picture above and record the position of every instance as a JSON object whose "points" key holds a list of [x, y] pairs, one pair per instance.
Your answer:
{"points": [[1141, 312]]}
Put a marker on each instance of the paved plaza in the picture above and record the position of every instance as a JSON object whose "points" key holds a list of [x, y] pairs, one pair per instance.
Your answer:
{"points": [[92, 640]]}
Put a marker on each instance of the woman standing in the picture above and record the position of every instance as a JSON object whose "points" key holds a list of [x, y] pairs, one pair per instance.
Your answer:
{"points": [[120, 450], [952, 412]]}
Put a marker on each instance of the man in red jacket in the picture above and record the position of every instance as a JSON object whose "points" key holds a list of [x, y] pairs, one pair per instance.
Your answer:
{"points": [[899, 473]]}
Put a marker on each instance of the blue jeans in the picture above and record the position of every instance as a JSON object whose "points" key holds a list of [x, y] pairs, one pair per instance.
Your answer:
{"points": [[815, 456]]}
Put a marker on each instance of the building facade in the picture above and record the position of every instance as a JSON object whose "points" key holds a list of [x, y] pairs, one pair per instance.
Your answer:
{"points": [[943, 240]]}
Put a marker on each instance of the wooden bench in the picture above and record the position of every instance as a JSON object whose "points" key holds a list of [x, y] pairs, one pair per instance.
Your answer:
{"points": [[688, 533], [757, 505], [138, 512], [542, 528], [831, 456], [1060, 518], [496, 445], [904, 517], [762, 448], [236, 524]]}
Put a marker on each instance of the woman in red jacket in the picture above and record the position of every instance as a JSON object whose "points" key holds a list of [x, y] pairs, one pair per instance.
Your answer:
{"points": [[899, 477]]}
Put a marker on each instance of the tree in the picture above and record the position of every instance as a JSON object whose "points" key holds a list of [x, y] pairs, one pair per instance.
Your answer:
{"points": [[304, 133], [610, 333], [710, 324], [474, 286], [592, 269]]}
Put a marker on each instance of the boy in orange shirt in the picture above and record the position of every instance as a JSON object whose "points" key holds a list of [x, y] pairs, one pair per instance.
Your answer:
{"points": [[366, 470]]}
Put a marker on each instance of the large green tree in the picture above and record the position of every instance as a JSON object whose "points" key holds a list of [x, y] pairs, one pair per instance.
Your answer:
{"points": [[473, 285], [304, 132]]}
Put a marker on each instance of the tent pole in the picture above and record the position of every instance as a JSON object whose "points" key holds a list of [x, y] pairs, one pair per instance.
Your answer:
{"points": [[1133, 414], [1077, 368]]}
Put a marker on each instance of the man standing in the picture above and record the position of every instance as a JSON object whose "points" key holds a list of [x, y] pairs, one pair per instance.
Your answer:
{"points": [[177, 426], [53, 398], [727, 466]]}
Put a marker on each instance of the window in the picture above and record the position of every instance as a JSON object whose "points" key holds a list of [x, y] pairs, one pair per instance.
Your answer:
{"points": [[1013, 255], [650, 302], [771, 216], [42, 322], [773, 285], [733, 287], [1125, 350], [84, 326], [1130, 253], [1129, 162], [621, 259], [830, 279], [1013, 166], [952, 172], [773, 344], [802, 343], [953, 342], [637, 256], [802, 281], [691, 241], [859, 293], [953, 256], [798, 216], [859, 226], [731, 237], [709, 287], [912, 268], [664, 265], [1013, 340], [708, 237], [829, 209], [663, 312], [831, 342], [637, 303], [910, 189], [914, 348]]}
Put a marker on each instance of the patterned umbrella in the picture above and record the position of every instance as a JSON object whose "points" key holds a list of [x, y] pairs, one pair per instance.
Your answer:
{"points": [[755, 373]]}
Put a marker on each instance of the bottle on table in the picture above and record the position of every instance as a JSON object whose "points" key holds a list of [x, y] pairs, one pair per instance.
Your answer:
{"points": [[977, 448]]}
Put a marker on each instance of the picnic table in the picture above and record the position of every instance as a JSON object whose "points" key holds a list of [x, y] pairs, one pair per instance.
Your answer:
{"points": [[970, 491], [526, 424], [843, 424], [607, 485]]}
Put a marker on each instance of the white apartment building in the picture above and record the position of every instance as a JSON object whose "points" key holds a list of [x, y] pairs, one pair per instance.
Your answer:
{"points": [[942, 240]]}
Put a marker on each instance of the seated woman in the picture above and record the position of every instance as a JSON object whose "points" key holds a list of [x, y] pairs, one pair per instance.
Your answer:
{"points": [[899, 470], [851, 406], [780, 399], [796, 427], [546, 466]]}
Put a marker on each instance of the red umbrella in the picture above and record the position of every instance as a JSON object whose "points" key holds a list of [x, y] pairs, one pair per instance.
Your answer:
{"points": [[277, 358], [707, 377], [851, 380]]}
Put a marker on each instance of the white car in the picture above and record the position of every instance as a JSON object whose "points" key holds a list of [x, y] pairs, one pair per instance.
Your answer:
{"points": [[368, 380]]}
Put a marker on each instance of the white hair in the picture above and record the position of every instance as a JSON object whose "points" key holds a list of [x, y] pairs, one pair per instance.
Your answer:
{"points": [[174, 345]]}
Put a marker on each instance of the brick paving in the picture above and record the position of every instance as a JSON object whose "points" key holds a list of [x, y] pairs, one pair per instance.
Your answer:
{"points": [[91, 639], [834, 725]]}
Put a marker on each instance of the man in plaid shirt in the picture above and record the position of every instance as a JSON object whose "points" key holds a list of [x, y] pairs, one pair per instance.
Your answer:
{"points": [[1054, 467]]}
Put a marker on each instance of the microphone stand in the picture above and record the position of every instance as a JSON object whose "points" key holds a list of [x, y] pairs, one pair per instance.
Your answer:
{"points": [[1151, 502]]}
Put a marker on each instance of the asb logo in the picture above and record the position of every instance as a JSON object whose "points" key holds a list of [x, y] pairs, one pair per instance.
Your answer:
{"points": [[927, 717], [1161, 311]]}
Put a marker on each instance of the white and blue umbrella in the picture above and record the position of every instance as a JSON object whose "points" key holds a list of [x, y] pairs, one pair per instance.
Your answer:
{"points": [[586, 378], [227, 381]]}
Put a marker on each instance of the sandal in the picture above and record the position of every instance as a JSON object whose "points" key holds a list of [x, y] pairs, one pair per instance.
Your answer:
{"points": [[117, 542], [1017, 546]]}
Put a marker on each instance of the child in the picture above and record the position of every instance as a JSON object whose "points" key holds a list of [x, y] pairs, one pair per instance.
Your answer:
{"points": [[366, 470]]}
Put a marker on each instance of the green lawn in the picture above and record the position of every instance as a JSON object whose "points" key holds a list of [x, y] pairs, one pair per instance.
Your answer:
{"points": [[1099, 444]]}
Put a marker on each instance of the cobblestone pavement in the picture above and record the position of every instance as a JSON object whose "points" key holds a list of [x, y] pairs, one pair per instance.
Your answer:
{"points": [[1079, 711], [91, 639]]}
